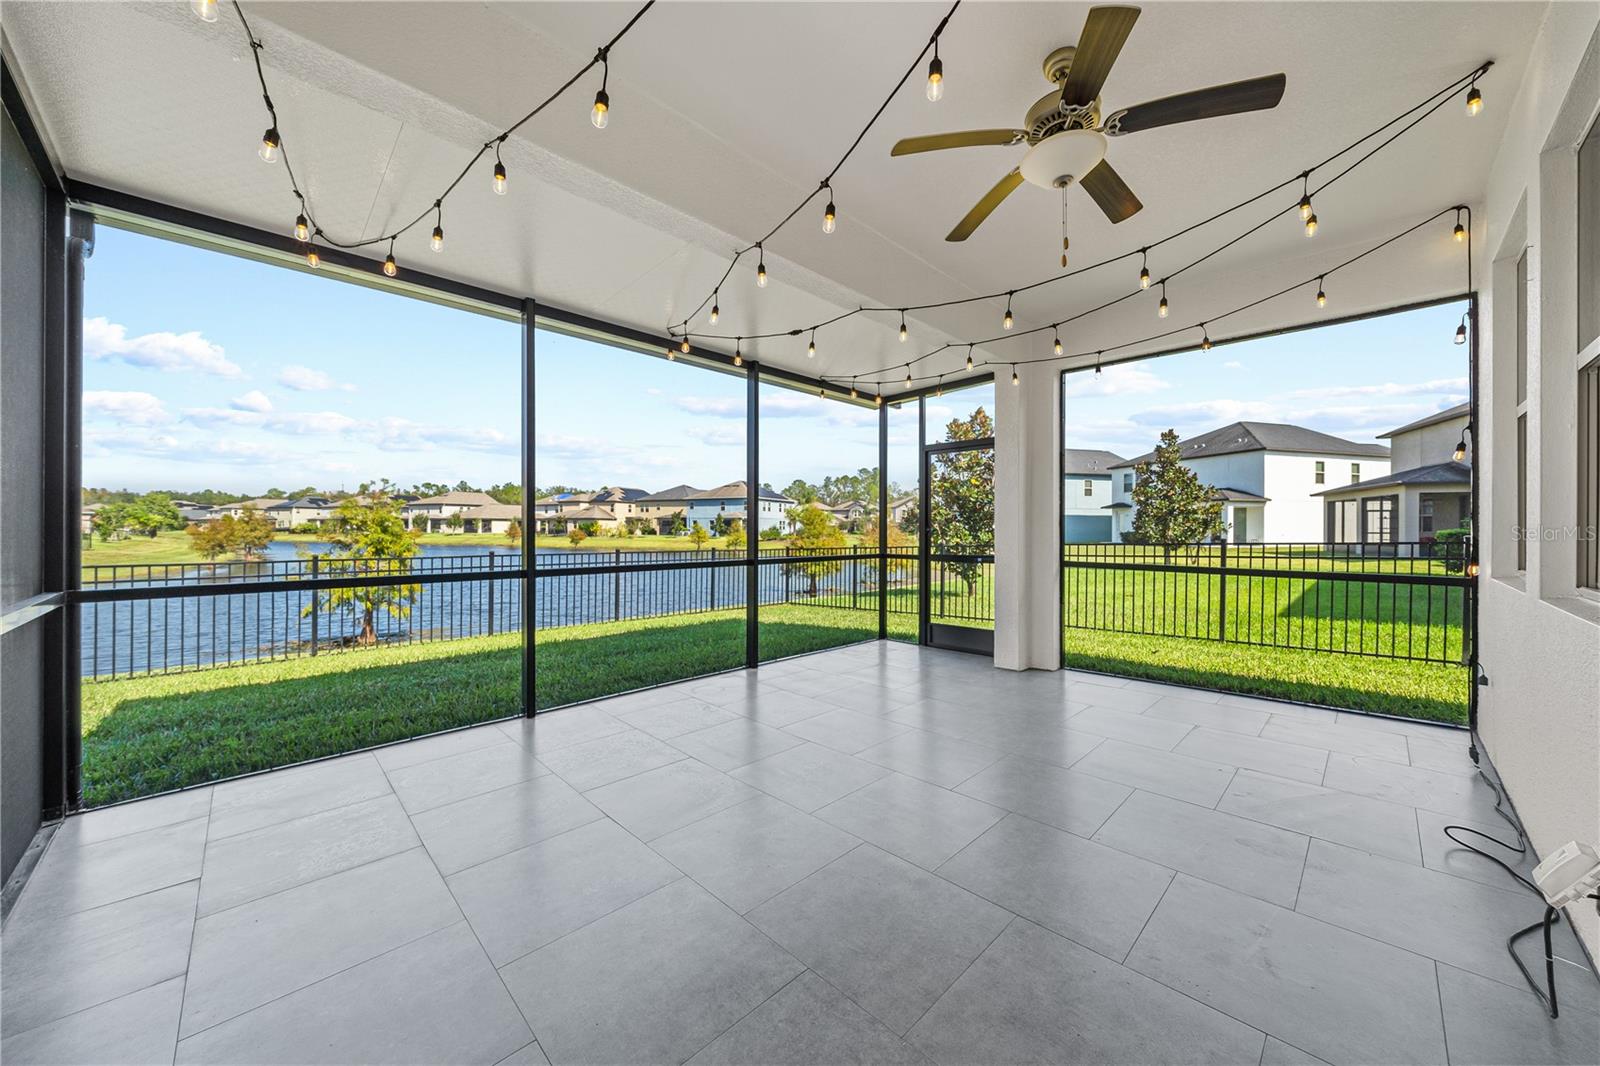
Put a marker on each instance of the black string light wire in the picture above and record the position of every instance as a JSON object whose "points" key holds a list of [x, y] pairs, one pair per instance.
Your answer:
{"points": [[826, 184], [1406, 121], [306, 228], [1314, 279]]}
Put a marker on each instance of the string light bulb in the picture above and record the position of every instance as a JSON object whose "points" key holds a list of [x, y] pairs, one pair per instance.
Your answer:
{"points": [[1144, 269], [829, 215], [436, 242], [716, 312], [499, 178], [1311, 225], [1014, 379], [1007, 322], [1474, 100], [390, 267], [600, 113], [877, 398], [1205, 338], [684, 347], [938, 388], [1097, 356], [761, 267], [1161, 308], [1461, 331], [205, 10], [1461, 449], [904, 333], [269, 145], [738, 356], [1305, 196], [1058, 343], [313, 260], [853, 388], [969, 357], [1460, 232], [908, 375], [302, 228], [811, 347], [1322, 297], [935, 75], [672, 354]]}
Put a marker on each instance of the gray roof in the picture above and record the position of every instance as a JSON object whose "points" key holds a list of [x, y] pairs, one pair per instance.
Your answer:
{"points": [[672, 495], [617, 493], [1237, 496], [1460, 410], [736, 490], [1081, 462], [1451, 473], [1269, 437], [588, 514]]}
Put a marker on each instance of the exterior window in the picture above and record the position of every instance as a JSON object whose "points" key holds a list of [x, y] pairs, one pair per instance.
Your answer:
{"points": [[1322, 472], [1343, 519], [1088, 488], [1589, 473], [1425, 516], [1377, 520], [1522, 330], [1589, 239], [1127, 482], [1355, 473]]}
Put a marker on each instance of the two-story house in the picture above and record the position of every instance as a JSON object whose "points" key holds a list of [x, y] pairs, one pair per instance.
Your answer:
{"points": [[1428, 490], [1086, 494], [728, 502], [1267, 476], [431, 514]]}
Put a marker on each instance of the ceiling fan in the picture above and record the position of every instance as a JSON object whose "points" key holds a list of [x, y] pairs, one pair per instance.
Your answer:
{"points": [[1066, 136]]}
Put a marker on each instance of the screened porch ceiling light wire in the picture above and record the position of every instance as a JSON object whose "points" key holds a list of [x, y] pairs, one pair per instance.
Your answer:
{"points": [[600, 58], [1199, 323], [1431, 103], [1439, 101], [826, 184]]}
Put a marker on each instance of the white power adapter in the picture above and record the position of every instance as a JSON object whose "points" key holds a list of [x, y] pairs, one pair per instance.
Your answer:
{"points": [[1569, 873]]}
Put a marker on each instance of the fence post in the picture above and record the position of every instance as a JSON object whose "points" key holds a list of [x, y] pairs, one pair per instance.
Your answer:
{"points": [[855, 577], [1222, 592], [316, 604], [616, 585], [712, 606], [491, 593]]}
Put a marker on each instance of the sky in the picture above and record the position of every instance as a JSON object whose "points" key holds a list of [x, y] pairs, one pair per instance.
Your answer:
{"points": [[206, 370]]}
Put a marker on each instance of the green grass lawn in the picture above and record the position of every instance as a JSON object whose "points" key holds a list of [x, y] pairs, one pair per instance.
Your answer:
{"points": [[151, 734]]}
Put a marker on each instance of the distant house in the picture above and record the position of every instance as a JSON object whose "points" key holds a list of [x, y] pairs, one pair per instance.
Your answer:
{"points": [[898, 509], [728, 502], [661, 509], [1429, 492], [305, 510], [494, 517], [431, 514], [551, 514], [1268, 476], [847, 513], [1085, 495]]}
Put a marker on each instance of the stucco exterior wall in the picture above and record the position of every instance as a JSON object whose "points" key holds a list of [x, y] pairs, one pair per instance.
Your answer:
{"points": [[1539, 637], [1428, 445]]}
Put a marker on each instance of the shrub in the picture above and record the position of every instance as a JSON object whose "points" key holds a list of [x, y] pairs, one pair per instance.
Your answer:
{"points": [[1451, 546]]}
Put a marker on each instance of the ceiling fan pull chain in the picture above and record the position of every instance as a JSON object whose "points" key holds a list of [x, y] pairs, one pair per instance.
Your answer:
{"points": [[1063, 225]]}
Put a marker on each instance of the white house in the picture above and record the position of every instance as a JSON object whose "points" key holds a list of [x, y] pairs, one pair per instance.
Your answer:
{"points": [[1086, 495], [728, 502], [1267, 476], [432, 513], [1428, 491]]}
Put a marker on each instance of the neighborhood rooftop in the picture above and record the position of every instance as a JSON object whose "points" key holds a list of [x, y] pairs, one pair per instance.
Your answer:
{"points": [[1269, 437], [1460, 410]]}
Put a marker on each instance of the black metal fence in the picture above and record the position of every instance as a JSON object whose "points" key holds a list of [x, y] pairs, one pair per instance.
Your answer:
{"points": [[1397, 601]]}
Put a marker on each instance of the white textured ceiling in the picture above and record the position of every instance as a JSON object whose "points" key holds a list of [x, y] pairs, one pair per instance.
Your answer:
{"points": [[726, 114]]}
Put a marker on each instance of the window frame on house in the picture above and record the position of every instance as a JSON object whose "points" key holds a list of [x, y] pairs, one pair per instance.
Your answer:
{"points": [[1320, 474], [1355, 473], [1127, 481], [1088, 486], [1387, 509]]}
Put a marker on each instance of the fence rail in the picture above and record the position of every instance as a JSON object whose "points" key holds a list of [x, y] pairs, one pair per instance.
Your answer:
{"points": [[1395, 601]]}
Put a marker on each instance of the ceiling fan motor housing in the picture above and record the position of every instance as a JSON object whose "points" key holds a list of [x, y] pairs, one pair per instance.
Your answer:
{"points": [[1063, 158]]}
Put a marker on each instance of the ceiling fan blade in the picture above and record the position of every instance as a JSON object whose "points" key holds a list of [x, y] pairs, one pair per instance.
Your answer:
{"points": [[1104, 33], [964, 139], [982, 209], [1256, 94], [1106, 187]]}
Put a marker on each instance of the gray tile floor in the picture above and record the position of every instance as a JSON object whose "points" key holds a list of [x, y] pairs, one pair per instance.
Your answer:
{"points": [[876, 854]]}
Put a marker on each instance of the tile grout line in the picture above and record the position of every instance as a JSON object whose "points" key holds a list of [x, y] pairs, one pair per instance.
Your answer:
{"points": [[778, 992], [194, 930], [970, 963]]}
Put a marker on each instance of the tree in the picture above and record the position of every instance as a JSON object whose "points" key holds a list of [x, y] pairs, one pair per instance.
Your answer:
{"points": [[675, 524], [814, 531], [800, 491], [1173, 506], [576, 535], [250, 533], [902, 561], [454, 522], [909, 519], [961, 498], [736, 537], [369, 536], [510, 492], [514, 531], [210, 539], [698, 536]]}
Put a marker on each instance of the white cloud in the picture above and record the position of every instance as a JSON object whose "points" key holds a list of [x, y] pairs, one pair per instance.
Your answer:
{"points": [[1233, 364], [294, 423], [103, 339], [305, 379], [254, 400], [400, 434], [715, 406], [1389, 388], [130, 408], [1115, 381]]}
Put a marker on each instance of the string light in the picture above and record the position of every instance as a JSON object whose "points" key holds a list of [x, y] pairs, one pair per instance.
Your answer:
{"points": [[600, 113], [302, 228], [1144, 268], [738, 356], [1461, 331], [904, 333], [908, 375], [853, 388], [1461, 445], [684, 347], [1058, 342], [205, 10], [878, 399], [1460, 232], [1205, 338], [499, 169], [935, 74], [313, 260], [1322, 297], [436, 242], [672, 354], [389, 266], [1008, 321], [761, 267], [969, 357], [811, 348], [1014, 379], [1474, 99], [1161, 308], [1097, 356], [938, 388], [829, 215], [269, 145], [1305, 196], [1311, 225], [716, 311]]}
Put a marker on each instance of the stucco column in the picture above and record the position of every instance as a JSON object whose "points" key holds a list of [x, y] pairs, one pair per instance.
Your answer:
{"points": [[1027, 520]]}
